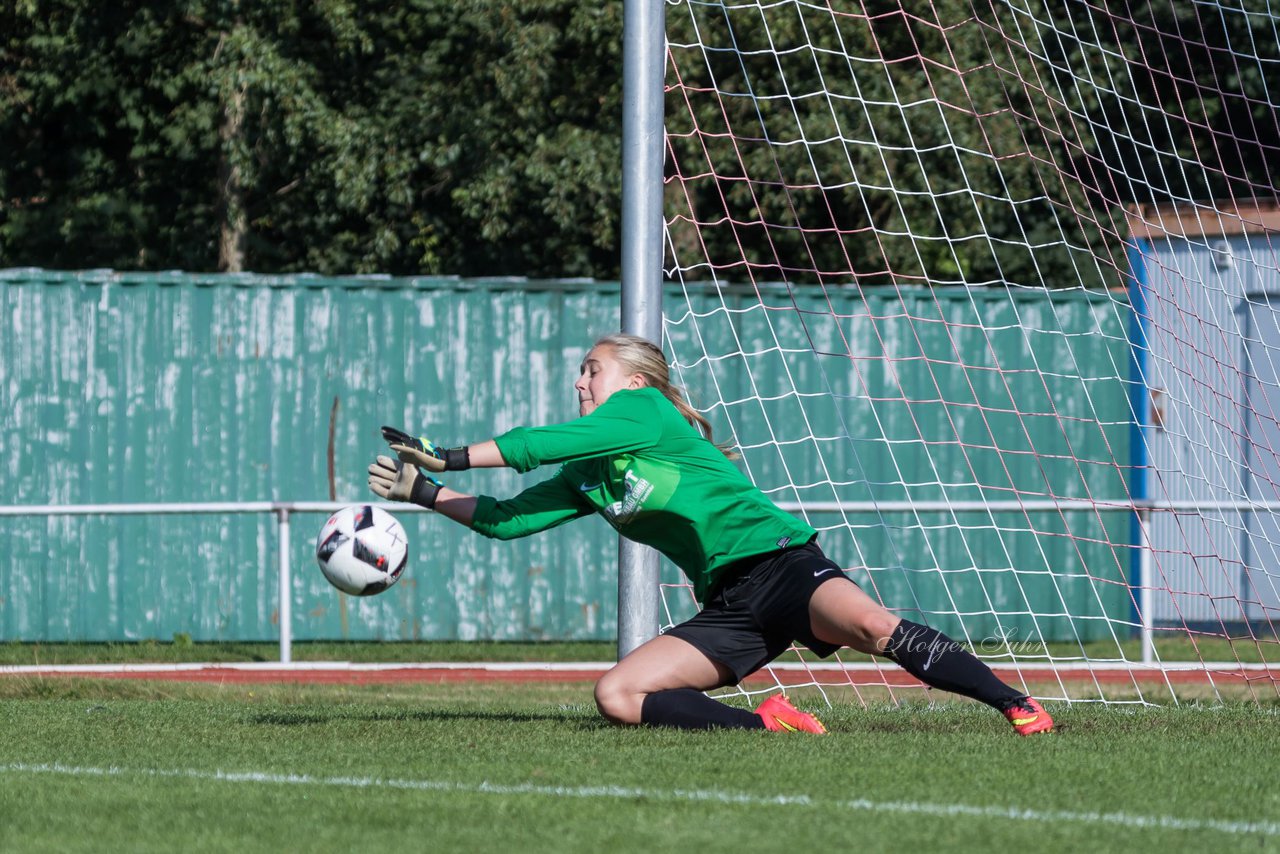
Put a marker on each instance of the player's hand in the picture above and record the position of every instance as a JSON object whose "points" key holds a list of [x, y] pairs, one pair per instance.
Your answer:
{"points": [[399, 481], [425, 453]]}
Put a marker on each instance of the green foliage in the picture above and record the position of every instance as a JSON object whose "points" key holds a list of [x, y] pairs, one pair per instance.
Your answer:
{"points": [[970, 143], [966, 143], [888, 183], [1176, 93], [381, 137]]}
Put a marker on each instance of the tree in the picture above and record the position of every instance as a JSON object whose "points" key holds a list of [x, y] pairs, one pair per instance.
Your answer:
{"points": [[963, 142], [472, 138]]}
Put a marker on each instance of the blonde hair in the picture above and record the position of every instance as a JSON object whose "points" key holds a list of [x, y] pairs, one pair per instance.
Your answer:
{"points": [[641, 356]]}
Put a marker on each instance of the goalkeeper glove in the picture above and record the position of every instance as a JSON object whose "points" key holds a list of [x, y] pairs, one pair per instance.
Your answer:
{"points": [[399, 481], [422, 452]]}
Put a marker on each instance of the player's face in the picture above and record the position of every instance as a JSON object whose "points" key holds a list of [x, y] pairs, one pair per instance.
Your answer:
{"points": [[600, 376]]}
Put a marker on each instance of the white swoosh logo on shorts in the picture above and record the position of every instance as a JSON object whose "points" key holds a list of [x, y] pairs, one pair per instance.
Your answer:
{"points": [[824, 571], [586, 487]]}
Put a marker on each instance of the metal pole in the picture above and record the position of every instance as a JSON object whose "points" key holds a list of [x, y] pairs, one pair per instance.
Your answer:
{"points": [[643, 147], [286, 589], [1144, 590], [643, 143], [1119, 504], [1139, 447]]}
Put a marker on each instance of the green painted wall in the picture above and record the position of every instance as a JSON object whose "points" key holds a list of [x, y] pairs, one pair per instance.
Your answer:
{"points": [[178, 388]]}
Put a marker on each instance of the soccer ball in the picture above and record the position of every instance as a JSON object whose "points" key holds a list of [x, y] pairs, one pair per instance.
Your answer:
{"points": [[362, 550]]}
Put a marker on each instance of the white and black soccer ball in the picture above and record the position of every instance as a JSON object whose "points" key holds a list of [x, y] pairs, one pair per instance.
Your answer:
{"points": [[362, 550]]}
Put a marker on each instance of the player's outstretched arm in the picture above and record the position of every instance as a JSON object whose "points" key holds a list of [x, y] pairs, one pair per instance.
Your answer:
{"points": [[457, 506], [430, 456], [397, 480], [486, 455]]}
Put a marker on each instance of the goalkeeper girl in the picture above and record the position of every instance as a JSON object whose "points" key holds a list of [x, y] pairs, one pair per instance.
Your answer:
{"points": [[640, 456]]}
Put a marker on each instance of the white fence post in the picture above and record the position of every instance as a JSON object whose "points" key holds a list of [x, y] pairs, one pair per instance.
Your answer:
{"points": [[286, 588]]}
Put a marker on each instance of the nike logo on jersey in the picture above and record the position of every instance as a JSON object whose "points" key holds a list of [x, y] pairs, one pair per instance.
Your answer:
{"points": [[587, 487], [824, 571]]}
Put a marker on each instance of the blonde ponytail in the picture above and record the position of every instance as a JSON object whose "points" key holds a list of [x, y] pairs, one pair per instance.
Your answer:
{"points": [[638, 355]]}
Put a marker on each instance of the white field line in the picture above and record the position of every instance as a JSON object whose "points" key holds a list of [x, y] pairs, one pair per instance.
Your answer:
{"points": [[1159, 822], [600, 666]]}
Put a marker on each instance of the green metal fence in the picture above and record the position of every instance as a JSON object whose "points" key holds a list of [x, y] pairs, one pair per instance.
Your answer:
{"points": [[121, 388]]}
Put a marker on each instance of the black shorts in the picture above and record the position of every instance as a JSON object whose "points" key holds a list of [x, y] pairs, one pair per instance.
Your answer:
{"points": [[760, 608]]}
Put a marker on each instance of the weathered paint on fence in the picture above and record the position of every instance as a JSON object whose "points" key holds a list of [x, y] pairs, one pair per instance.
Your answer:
{"points": [[180, 387]]}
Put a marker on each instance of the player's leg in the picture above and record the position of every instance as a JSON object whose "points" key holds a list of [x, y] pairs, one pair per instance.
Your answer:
{"points": [[840, 612], [661, 683]]}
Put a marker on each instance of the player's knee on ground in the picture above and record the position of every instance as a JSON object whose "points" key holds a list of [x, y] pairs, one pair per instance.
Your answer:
{"points": [[616, 702]]}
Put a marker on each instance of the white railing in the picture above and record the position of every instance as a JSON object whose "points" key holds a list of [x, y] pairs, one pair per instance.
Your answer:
{"points": [[283, 509]]}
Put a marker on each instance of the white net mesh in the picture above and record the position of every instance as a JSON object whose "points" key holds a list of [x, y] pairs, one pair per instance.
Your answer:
{"points": [[983, 292]]}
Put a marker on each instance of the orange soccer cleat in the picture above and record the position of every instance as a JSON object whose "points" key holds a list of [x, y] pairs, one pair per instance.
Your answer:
{"points": [[1028, 717], [780, 716]]}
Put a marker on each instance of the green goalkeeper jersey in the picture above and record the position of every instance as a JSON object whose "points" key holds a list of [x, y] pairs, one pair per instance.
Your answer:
{"points": [[636, 461]]}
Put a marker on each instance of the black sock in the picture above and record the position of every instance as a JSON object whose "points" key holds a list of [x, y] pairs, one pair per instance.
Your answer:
{"points": [[937, 660], [686, 708]]}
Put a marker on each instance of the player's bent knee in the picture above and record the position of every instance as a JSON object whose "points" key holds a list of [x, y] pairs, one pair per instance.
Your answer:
{"points": [[868, 631], [878, 629], [617, 703], [872, 631]]}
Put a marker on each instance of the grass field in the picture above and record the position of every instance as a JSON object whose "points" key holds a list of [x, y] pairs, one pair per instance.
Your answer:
{"points": [[181, 650], [143, 766]]}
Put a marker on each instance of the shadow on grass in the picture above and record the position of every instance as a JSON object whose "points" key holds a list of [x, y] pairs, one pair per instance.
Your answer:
{"points": [[284, 718]]}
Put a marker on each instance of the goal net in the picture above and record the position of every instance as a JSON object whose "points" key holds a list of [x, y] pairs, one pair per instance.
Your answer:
{"points": [[987, 292]]}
